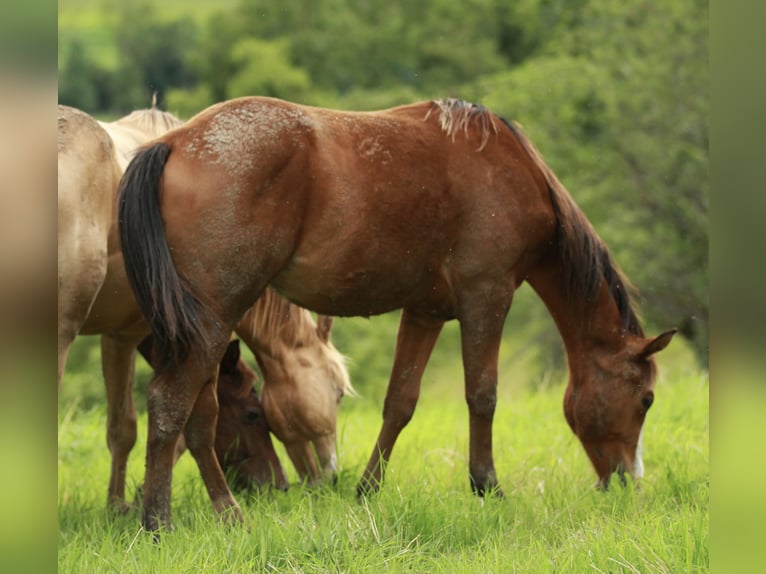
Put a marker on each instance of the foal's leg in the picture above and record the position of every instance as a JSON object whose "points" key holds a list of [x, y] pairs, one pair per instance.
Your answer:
{"points": [[414, 343], [480, 335], [118, 365], [200, 440]]}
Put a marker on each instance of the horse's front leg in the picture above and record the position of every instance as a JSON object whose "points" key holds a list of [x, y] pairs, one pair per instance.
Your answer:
{"points": [[118, 366], [415, 341], [480, 340]]}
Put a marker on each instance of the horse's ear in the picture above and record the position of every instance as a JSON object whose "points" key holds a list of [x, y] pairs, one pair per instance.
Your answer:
{"points": [[657, 344], [231, 356], [324, 326]]}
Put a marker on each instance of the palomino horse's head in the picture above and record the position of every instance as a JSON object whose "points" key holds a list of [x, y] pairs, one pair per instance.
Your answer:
{"points": [[606, 403], [242, 443], [305, 379]]}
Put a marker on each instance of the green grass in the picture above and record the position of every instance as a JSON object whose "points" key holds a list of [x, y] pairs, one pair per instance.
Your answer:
{"points": [[425, 518]]}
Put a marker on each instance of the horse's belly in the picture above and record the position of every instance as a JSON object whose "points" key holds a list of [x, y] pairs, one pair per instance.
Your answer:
{"points": [[115, 309], [356, 291]]}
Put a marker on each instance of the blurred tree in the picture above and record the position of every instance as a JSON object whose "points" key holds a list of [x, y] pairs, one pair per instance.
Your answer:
{"points": [[345, 45], [82, 83], [213, 60], [152, 54], [264, 68]]}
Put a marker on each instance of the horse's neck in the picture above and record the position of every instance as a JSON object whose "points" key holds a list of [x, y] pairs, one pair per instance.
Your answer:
{"points": [[126, 140], [585, 327]]}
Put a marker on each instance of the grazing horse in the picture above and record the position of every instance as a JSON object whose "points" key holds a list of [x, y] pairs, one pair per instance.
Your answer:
{"points": [[305, 378], [308, 365], [439, 208]]}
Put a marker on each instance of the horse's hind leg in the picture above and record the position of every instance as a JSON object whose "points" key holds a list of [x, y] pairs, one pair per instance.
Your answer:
{"points": [[146, 349], [414, 343], [170, 398], [173, 396], [118, 364], [480, 335], [200, 440]]}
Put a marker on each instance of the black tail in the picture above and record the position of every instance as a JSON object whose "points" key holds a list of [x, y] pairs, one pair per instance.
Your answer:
{"points": [[174, 312]]}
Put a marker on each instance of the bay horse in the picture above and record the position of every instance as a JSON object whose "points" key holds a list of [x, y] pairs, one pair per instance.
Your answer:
{"points": [[295, 354], [439, 208]]}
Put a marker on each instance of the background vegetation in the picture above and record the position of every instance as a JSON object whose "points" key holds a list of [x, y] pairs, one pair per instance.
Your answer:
{"points": [[615, 95]]}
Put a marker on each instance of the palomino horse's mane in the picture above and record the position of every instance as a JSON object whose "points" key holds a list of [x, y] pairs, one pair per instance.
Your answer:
{"points": [[293, 327], [151, 121], [457, 115], [584, 255]]}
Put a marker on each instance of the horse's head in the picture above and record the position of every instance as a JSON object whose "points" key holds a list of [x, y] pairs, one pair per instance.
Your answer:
{"points": [[242, 443], [305, 383], [606, 403]]}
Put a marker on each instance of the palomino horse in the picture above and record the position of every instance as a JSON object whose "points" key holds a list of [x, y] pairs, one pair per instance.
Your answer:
{"points": [[439, 208], [89, 170], [305, 378], [84, 219], [294, 353]]}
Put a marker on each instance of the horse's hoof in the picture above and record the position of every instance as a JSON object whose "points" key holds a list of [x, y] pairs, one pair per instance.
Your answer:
{"points": [[366, 488], [232, 516], [484, 489]]}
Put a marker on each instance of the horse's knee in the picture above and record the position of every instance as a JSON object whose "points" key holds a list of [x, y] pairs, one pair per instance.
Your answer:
{"points": [[200, 428], [122, 434], [482, 399], [399, 411], [199, 436]]}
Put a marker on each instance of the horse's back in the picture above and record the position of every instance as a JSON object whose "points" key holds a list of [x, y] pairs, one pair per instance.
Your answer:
{"points": [[399, 204]]}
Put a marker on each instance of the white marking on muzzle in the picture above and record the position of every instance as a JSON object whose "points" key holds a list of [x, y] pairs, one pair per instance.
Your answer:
{"points": [[638, 462]]}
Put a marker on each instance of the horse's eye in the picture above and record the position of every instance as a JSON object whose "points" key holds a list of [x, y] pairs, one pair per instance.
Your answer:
{"points": [[253, 416], [647, 400]]}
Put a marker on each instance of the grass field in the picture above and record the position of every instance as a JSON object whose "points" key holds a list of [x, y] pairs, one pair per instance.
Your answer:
{"points": [[425, 518]]}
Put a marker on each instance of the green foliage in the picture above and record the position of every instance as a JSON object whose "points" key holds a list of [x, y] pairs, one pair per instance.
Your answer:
{"points": [[613, 94], [85, 83], [264, 68]]}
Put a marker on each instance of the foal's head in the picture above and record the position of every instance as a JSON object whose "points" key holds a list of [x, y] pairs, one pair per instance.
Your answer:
{"points": [[606, 403], [242, 443]]}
